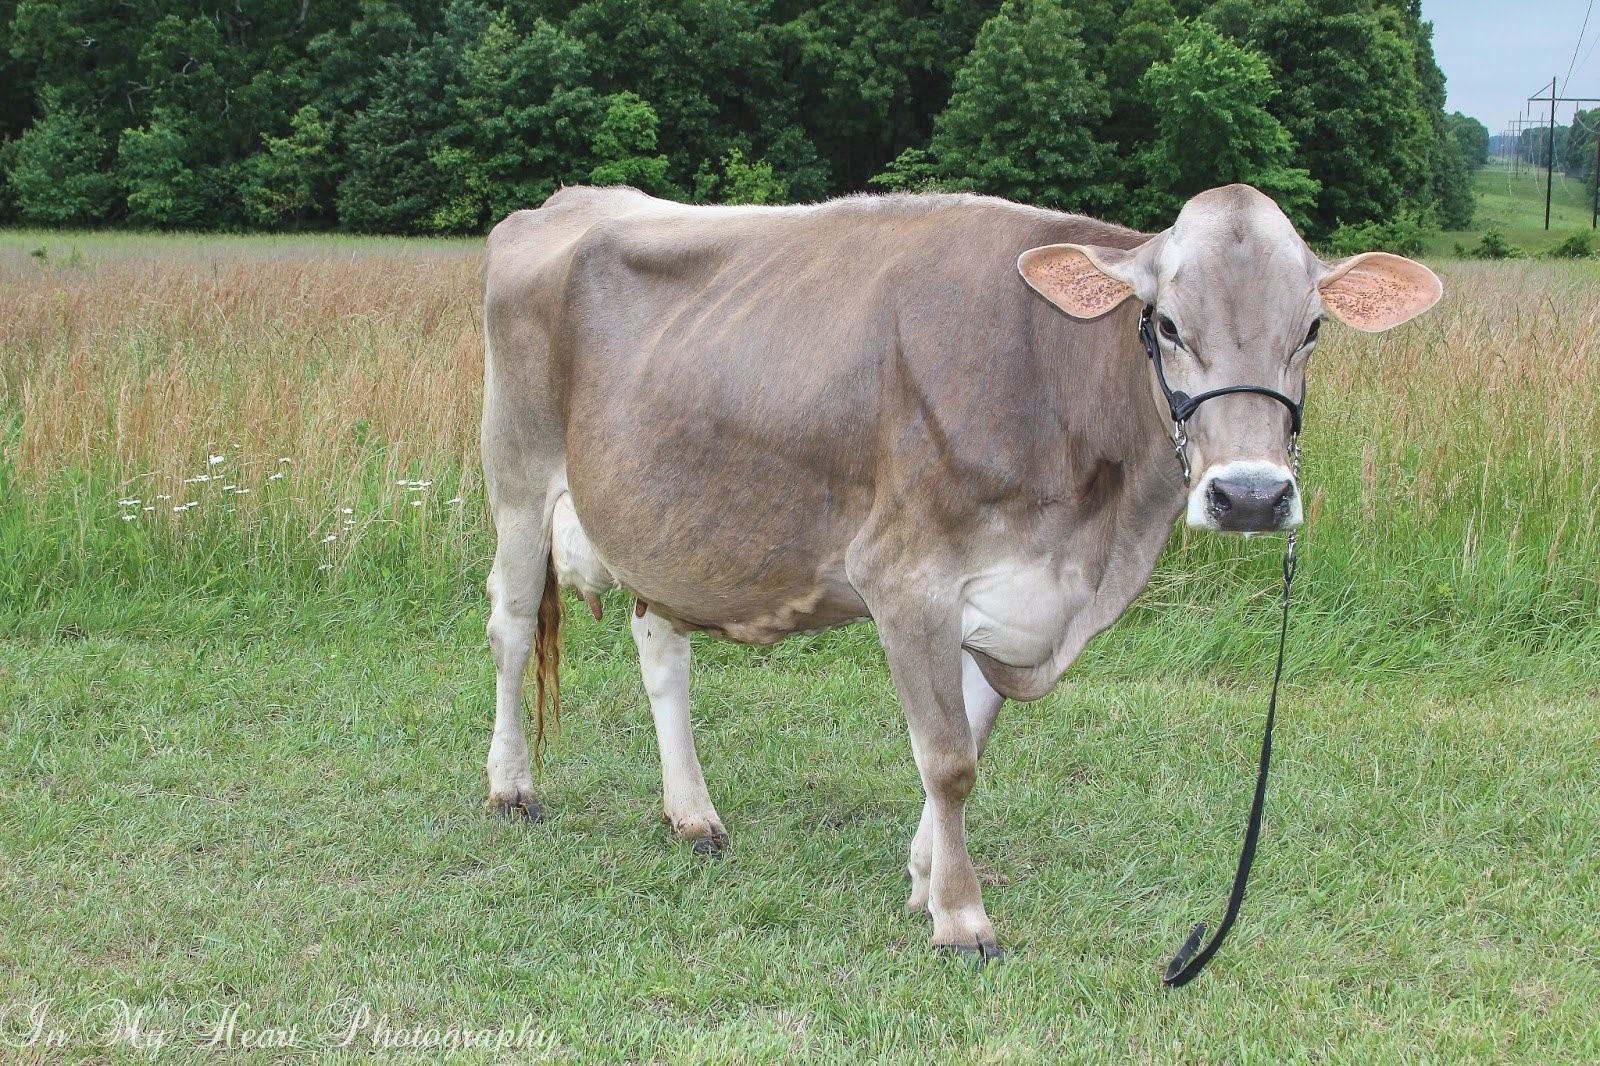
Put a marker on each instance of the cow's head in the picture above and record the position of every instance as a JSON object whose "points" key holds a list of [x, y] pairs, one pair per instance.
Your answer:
{"points": [[1237, 299]]}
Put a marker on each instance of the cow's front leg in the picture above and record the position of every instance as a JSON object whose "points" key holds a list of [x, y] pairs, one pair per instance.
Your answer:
{"points": [[982, 705], [926, 667]]}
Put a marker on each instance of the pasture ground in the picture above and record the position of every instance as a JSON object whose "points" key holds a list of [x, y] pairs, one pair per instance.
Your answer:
{"points": [[241, 743], [1513, 203]]}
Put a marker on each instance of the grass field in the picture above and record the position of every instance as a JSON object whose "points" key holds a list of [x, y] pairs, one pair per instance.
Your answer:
{"points": [[244, 720], [1513, 203]]}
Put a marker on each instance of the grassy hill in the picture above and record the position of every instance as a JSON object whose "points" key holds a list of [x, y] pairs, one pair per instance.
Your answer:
{"points": [[1513, 203]]}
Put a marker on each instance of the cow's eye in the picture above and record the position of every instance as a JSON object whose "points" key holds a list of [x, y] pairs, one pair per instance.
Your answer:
{"points": [[1168, 330], [1311, 334]]}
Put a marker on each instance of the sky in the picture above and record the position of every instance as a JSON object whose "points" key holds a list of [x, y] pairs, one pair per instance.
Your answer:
{"points": [[1495, 53]]}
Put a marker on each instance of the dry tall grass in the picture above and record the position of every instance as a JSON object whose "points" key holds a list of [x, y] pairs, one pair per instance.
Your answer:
{"points": [[1457, 449], [317, 379], [147, 367]]}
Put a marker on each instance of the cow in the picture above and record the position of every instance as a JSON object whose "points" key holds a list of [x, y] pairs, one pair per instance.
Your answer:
{"points": [[930, 411]]}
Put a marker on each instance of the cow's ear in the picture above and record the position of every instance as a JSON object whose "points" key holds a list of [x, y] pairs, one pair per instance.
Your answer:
{"points": [[1375, 291], [1084, 280]]}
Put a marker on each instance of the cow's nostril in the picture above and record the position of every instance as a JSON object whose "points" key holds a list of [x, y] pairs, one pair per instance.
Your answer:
{"points": [[1220, 501], [1281, 498]]}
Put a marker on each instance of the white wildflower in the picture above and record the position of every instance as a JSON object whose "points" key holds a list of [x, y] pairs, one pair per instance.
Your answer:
{"points": [[286, 459], [276, 476], [213, 460], [129, 517], [241, 492], [129, 502], [416, 503], [325, 566], [196, 479], [165, 496], [348, 510], [452, 501], [330, 538]]}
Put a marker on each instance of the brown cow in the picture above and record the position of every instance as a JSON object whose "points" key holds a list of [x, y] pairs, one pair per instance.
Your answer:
{"points": [[774, 420]]}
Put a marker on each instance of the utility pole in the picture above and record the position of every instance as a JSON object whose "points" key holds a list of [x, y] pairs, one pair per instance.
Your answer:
{"points": [[1550, 169], [1550, 151]]}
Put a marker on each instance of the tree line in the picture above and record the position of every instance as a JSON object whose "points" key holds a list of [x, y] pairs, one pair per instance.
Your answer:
{"points": [[420, 117]]}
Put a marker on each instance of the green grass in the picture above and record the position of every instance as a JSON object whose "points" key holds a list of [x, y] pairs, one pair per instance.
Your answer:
{"points": [[231, 776], [1513, 203], [222, 815]]}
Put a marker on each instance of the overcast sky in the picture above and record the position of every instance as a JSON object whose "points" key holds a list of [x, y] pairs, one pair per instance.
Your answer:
{"points": [[1494, 53]]}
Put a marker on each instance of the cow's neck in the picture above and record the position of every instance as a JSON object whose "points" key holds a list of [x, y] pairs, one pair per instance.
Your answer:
{"points": [[1109, 491]]}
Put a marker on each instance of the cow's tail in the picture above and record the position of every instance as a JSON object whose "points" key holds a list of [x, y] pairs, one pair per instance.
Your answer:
{"points": [[547, 660]]}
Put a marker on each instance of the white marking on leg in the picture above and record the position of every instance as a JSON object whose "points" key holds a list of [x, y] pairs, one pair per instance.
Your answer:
{"points": [[983, 703], [516, 582], [664, 661]]}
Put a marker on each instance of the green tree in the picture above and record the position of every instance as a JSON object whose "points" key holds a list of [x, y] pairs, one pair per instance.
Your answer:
{"points": [[713, 71], [913, 170], [1471, 135], [1144, 37], [1349, 96], [624, 143], [393, 180], [292, 179], [523, 118], [872, 75], [59, 174], [1020, 118], [1449, 191], [1213, 128], [153, 165], [741, 181]]}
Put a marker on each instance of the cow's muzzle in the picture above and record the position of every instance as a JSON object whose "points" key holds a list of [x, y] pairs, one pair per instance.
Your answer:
{"points": [[1245, 497]]}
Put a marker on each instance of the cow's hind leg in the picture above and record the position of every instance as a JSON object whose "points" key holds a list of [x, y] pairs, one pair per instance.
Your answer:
{"points": [[686, 805], [982, 707], [516, 588]]}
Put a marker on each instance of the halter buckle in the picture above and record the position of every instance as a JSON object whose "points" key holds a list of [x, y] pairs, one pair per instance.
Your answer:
{"points": [[1180, 445]]}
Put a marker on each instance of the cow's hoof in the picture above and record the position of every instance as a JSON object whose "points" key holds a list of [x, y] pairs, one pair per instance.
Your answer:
{"points": [[713, 843], [520, 805], [979, 955]]}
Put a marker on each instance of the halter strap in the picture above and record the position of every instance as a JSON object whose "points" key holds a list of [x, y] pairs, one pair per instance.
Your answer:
{"points": [[1182, 405]]}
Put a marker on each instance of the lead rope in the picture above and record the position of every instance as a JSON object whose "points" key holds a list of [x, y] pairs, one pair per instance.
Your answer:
{"points": [[1187, 963]]}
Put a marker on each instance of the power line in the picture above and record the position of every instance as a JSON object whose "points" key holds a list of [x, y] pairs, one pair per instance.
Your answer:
{"points": [[1587, 55], [1565, 82]]}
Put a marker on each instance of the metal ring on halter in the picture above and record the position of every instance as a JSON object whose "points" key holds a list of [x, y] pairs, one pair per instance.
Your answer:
{"points": [[1180, 446]]}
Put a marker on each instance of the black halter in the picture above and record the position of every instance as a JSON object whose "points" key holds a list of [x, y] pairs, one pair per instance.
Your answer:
{"points": [[1183, 406]]}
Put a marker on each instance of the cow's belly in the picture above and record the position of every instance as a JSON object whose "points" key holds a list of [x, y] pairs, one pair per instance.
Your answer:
{"points": [[721, 577]]}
